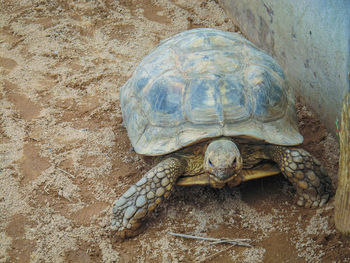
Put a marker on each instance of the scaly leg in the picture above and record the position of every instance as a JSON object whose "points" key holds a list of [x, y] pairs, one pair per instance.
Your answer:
{"points": [[141, 199], [305, 172]]}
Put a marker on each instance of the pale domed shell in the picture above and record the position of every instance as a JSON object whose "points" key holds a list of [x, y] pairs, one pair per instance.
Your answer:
{"points": [[205, 83]]}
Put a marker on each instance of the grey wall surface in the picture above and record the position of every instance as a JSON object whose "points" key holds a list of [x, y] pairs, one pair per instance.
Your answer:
{"points": [[310, 39]]}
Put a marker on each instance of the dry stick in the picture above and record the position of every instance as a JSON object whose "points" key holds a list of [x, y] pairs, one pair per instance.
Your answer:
{"points": [[235, 242], [45, 189], [66, 172]]}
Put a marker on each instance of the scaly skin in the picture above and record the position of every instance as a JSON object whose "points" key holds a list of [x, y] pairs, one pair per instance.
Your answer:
{"points": [[305, 172], [143, 197]]}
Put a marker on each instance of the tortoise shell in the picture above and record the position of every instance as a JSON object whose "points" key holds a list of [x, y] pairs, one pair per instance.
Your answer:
{"points": [[206, 83]]}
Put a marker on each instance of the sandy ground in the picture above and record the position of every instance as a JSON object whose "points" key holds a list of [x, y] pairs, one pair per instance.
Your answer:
{"points": [[65, 156]]}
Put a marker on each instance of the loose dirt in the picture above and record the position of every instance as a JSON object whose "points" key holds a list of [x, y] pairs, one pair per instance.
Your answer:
{"points": [[65, 156]]}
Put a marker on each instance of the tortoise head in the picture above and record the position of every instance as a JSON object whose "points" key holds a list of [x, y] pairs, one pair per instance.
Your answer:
{"points": [[222, 161]]}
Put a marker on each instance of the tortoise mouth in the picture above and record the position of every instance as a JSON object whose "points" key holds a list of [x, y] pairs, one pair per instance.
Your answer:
{"points": [[216, 179], [209, 179]]}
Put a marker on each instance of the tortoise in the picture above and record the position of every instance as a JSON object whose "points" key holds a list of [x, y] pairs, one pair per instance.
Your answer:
{"points": [[216, 111]]}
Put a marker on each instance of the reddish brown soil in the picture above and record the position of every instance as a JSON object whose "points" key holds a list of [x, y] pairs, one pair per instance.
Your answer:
{"points": [[65, 157]]}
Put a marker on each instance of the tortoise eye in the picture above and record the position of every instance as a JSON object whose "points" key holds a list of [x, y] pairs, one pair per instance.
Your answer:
{"points": [[210, 163]]}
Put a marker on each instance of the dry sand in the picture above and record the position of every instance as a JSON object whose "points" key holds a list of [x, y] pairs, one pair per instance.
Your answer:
{"points": [[65, 156]]}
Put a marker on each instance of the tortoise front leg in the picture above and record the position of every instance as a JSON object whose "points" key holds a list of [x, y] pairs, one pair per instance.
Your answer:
{"points": [[133, 207], [305, 172]]}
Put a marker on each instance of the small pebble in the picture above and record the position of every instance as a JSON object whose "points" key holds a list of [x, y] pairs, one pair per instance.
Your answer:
{"points": [[300, 203]]}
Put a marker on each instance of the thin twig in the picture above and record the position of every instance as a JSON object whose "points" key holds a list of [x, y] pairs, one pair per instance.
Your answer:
{"points": [[219, 242], [66, 172], [236, 242]]}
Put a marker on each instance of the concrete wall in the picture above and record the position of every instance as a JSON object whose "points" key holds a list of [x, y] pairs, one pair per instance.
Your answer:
{"points": [[310, 39]]}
